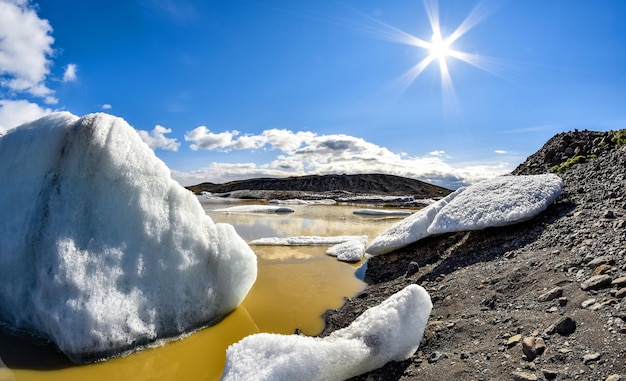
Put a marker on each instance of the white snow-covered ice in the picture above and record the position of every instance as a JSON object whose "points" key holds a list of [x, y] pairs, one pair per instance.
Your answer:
{"points": [[500, 201], [410, 229], [390, 331], [256, 209], [383, 212], [296, 201], [101, 250], [349, 251], [304, 240]]}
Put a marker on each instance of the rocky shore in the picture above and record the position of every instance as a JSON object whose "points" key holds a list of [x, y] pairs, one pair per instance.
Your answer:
{"points": [[540, 300]]}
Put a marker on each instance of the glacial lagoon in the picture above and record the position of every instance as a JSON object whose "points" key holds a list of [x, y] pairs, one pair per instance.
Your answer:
{"points": [[295, 285]]}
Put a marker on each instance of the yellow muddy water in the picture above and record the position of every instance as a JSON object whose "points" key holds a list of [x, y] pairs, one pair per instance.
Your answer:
{"points": [[295, 285]]}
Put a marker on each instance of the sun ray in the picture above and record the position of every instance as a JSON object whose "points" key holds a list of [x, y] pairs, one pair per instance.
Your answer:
{"points": [[410, 75], [476, 15]]}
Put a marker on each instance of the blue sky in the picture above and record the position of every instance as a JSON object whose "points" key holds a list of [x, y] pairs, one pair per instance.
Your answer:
{"points": [[224, 90]]}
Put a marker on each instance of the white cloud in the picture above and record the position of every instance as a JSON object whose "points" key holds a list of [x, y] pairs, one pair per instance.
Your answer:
{"points": [[303, 153], [106, 106], [500, 151], [25, 48], [156, 138], [203, 138], [70, 73], [280, 139], [15, 113]]}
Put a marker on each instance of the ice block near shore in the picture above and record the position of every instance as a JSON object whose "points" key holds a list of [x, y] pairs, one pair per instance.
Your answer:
{"points": [[101, 250]]}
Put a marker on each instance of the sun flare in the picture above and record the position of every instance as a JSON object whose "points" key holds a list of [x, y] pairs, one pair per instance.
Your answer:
{"points": [[440, 47]]}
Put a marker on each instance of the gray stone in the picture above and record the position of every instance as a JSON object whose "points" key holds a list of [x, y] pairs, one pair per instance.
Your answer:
{"points": [[533, 346], [523, 376], [614, 377], [602, 260], [550, 295], [565, 326], [596, 282], [591, 357], [619, 282], [588, 302], [412, 268], [436, 356], [549, 374], [608, 214], [620, 293]]}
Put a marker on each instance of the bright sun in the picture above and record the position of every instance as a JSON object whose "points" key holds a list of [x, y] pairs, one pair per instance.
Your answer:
{"points": [[439, 47]]}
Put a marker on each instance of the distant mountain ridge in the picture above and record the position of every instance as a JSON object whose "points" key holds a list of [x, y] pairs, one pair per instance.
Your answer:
{"points": [[373, 184]]}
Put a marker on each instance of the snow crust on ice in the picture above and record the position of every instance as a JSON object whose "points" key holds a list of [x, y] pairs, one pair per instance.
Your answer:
{"points": [[296, 201], [101, 250], [500, 201], [349, 251], [410, 229], [256, 209], [304, 240], [390, 331], [382, 212]]}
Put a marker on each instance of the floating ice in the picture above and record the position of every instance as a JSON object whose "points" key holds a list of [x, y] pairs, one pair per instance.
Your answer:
{"points": [[500, 201], [390, 331], [296, 201], [304, 240], [101, 250], [382, 212], [410, 229], [349, 251], [256, 209]]}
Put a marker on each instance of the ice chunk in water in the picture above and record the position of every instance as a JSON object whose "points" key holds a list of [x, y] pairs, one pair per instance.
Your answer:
{"points": [[101, 250]]}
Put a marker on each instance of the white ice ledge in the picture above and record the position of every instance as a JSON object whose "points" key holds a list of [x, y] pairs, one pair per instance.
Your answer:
{"points": [[304, 240], [390, 331], [500, 201]]}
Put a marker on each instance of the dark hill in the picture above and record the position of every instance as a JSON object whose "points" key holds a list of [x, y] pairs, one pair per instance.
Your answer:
{"points": [[370, 184]]}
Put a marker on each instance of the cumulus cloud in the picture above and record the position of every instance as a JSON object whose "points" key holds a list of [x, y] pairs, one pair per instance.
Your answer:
{"points": [[304, 153], [70, 73], [14, 113], [157, 139], [279, 139], [203, 138], [437, 153], [25, 50], [106, 106]]}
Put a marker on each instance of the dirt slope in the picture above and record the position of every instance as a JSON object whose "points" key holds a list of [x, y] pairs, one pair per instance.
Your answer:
{"points": [[494, 288]]}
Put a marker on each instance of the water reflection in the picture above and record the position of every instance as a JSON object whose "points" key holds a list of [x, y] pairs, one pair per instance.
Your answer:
{"points": [[295, 285]]}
